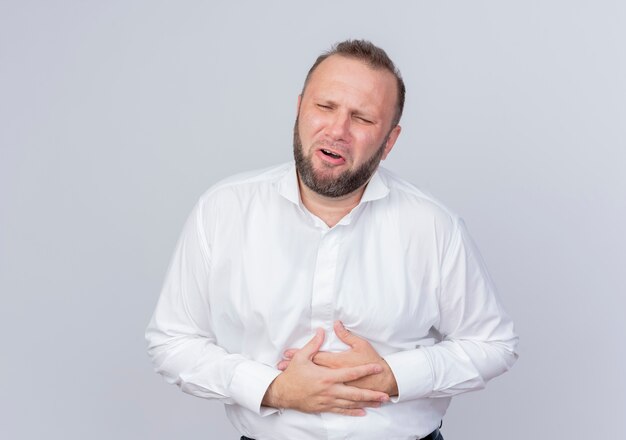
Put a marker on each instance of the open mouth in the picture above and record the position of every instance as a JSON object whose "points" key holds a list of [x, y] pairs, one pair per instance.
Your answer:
{"points": [[331, 154]]}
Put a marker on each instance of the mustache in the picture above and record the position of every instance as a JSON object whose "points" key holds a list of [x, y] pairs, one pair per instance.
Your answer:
{"points": [[338, 147]]}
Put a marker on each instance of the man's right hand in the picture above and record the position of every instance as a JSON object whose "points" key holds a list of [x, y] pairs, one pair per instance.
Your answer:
{"points": [[307, 387]]}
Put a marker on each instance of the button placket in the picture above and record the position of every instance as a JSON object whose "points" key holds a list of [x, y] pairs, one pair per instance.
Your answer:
{"points": [[323, 293]]}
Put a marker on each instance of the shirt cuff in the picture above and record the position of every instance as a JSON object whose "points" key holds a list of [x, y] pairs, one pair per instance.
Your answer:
{"points": [[413, 373], [249, 384]]}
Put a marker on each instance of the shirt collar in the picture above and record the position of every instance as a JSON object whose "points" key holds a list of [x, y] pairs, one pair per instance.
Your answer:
{"points": [[375, 189], [288, 185]]}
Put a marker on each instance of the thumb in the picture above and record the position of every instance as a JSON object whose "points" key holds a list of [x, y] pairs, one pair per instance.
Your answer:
{"points": [[313, 346], [344, 334]]}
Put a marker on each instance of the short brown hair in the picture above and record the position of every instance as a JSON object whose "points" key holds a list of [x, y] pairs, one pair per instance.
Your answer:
{"points": [[374, 56]]}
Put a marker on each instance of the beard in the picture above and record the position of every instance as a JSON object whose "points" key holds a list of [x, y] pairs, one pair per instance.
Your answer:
{"points": [[325, 183]]}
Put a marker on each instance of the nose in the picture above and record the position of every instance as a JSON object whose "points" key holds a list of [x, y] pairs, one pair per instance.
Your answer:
{"points": [[339, 127]]}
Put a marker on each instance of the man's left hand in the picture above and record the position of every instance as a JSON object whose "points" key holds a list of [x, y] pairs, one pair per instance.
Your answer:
{"points": [[360, 352]]}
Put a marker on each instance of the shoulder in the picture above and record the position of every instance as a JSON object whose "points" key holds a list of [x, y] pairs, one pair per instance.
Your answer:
{"points": [[246, 184], [413, 201]]}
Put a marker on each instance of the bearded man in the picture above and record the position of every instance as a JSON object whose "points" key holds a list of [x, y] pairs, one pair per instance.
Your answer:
{"points": [[330, 299]]}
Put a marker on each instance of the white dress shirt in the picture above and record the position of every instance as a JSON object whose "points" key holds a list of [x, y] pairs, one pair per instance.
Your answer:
{"points": [[255, 273]]}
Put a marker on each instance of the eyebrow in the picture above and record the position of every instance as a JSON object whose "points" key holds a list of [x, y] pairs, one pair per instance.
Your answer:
{"points": [[355, 112]]}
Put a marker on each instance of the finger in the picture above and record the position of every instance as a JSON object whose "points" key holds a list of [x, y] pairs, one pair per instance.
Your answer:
{"points": [[313, 345], [282, 365], [288, 354], [355, 394], [351, 404], [329, 359], [349, 412], [349, 374], [345, 335]]}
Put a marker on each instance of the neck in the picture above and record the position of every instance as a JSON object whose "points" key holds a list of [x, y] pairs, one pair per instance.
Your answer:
{"points": [[329, 209]]}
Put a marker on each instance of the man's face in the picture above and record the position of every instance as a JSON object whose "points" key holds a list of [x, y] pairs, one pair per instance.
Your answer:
{"points": [[343, 129]]}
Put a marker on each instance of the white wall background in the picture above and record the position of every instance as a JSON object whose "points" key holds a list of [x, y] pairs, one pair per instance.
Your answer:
{"points": [[115, 116]]}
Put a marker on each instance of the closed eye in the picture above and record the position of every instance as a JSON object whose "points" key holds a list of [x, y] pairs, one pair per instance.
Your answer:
{"points": [[364, 120]]}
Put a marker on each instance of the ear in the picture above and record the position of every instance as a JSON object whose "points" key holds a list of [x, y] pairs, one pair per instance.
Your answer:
{"points": [[391, 140]]}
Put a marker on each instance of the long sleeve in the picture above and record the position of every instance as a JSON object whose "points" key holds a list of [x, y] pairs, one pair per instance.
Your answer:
{"points": [[478, 340], [181, 341]]}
